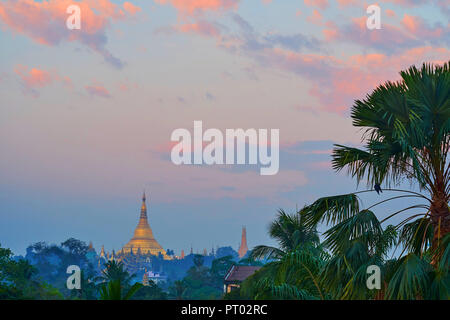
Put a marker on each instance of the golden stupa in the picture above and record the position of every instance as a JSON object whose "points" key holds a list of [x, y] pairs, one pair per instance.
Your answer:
{"points": [[143, 241]]}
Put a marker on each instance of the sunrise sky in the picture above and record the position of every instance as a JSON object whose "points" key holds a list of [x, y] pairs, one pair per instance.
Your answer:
{"points": [[86, 115]]}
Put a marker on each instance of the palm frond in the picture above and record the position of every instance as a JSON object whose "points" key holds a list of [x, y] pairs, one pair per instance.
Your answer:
{"points": [[266, 252], [410, 280], [363, 226], [417, 235], [333, 209]]}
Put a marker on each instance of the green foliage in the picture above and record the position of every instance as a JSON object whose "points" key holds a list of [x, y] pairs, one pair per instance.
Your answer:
{"points": [[333, 209], [114, 290], [18, 280], [115, 271], [88, 290], [407, 126], [410, 279], [75, 247], [220, 267], [234, 295], [295, 267], [363, 226], [178, 289], [51, 263], [150, 292], [202, 282], [290, 231], [417, 236], [115, 283]]}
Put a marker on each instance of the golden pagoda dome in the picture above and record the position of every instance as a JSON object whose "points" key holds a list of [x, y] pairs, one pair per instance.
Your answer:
{"points": [[143, 240]]}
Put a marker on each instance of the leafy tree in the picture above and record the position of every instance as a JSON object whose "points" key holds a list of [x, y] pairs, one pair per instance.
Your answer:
{"points": [[75, 247], [200, 281], [198, 260], [18, 280], [220, 266], [51, 262], [150, 292], [227, 251]]}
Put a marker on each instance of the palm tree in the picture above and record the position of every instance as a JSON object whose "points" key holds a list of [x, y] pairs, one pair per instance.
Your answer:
{"points": [[407, 125], [113, 291], [294, 269], [178, 289], [88, 287], [356, 244], [290, 232], [115, 271], [115, 279]]}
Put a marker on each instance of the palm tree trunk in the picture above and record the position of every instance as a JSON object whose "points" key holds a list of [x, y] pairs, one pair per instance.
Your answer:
{"points": [[440, 215], [381, 294]]}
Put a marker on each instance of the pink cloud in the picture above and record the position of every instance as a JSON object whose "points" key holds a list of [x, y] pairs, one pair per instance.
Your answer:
{"points": [[315, 17], [67, 81], [390, 13], [45, 22], [127, 85], [337, 82], [190, 7], [330, 34], [358, 75], [35, 78], [411, 33], [418, 28], [202, 27], [322, 4], [344, 3], [98, 90], [407, 3], [411, 23], [403, 3], [131, 8]]}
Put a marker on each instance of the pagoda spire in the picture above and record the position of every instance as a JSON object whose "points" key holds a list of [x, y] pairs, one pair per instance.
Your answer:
{"points": [[143, 207], [102, 253], [243, 247], [143, 241]]}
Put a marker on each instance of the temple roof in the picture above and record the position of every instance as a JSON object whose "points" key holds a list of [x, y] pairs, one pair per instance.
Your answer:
{"points": [[240, 273], [143, 239]]}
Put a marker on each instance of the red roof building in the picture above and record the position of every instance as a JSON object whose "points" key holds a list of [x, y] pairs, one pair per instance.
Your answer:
{"points": [[237, 274]]}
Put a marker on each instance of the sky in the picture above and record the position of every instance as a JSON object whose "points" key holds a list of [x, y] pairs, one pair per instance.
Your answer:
{"points": [[86, 115]]}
